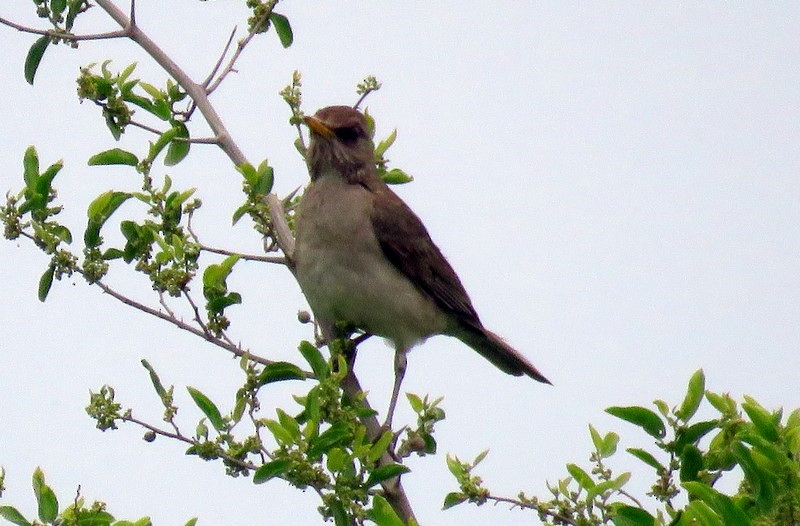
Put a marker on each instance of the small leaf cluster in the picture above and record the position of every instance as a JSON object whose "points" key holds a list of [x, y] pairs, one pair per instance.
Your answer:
{"points": [[393, 175], [116, 93], [256, 184], [420, 440], [218, 297], [470, 486], [322, 445], [61, 14], [691, 456], [326, 447], [76, 514], [32, 211], [263, 17]]}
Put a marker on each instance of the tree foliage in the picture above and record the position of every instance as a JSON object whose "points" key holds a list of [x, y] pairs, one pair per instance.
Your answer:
{"points": [[329, 440]]}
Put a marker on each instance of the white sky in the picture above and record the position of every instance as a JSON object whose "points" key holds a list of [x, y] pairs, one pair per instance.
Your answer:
{"points": [[617, 186]]}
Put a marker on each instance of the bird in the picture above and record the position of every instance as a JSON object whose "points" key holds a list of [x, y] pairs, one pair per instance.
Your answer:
{"points": [[362, 256]]}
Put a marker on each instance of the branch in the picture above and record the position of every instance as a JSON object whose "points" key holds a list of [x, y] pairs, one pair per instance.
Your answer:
{"points": [[527, 505], [210, 87], [216, 67], [282, 233], [64, 35], [199, 95], [182, 438], [233, 349], [247, 257]]}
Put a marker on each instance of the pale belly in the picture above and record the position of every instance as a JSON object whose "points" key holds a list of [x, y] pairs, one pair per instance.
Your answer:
{"points": [[345, 277]]}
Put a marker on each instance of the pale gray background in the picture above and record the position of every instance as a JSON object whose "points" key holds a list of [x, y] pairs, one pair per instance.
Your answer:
{"points": [[616, 183]]}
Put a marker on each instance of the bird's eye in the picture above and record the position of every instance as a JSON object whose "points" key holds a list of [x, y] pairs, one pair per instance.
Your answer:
{"points": [[347, 134]]}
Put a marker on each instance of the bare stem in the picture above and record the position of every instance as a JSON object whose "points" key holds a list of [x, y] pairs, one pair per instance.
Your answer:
{"points": [[122, 33], [247, 257], [233, 349], [213, 85]]}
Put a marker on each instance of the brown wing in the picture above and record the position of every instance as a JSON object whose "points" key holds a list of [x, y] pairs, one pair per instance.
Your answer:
{"points": [[407, 244]]}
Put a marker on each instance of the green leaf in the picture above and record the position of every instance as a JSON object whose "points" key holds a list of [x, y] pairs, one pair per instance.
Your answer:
{"points": [[281, 434], [765, 422], [385, 144], [178, 149], [385, 472], [42, 185], [642, 417], [662, 407], [99, 211], [282, 28], [34, 58], [609, 445], [700, 514], [453, 499], [456, 467], [723, 505], [380, 446], [416, 402], [647, 458], [159, 387], [62, 233], [396, 176], [45, 282], [722, 403], [581, 477], [691, 463], [624, 515], [191, 522], [600, 488], [271, 470], [693, 433], [207, 407], [335, 435], [382, 513], [11, 514], [265, 178], [163, 140], [114, 156], [289, 424], [30, 165], [45, 498], [106, 204], [694, 395], [280, 371], [249, 172], [339, 514], [315, 359], [58, 6], [597, 439]]}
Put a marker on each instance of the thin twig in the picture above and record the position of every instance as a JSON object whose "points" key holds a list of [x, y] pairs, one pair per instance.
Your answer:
{"points": [[64, 35], [530, 506], [182, 438], [201, 140], [239, 49], [164, 304], [216, 67], [145, 127], [233, 349], [196, 311], [247, 257]]}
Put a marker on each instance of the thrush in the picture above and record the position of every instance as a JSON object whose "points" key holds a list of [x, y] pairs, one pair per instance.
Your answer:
{"points": [[362, 256]]}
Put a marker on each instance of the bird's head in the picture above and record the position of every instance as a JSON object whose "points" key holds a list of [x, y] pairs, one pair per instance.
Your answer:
{"points": [[340, 144]]}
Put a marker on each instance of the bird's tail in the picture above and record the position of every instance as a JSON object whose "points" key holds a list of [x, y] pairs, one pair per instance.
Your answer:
{"points": [[502, 355]]}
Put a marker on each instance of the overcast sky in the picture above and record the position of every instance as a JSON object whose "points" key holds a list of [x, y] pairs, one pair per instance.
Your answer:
{"points": [[617, 184]]}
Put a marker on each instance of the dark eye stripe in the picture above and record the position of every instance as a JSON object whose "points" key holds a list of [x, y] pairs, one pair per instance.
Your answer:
{"points": [[347, 134]]}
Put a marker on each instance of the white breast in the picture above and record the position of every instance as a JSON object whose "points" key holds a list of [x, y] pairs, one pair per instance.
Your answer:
{"points": [[344, 274]]}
